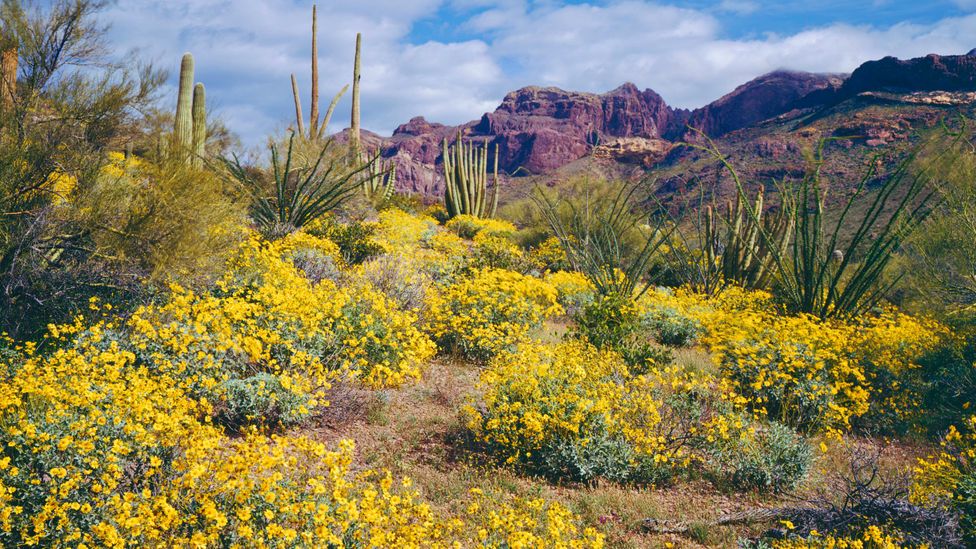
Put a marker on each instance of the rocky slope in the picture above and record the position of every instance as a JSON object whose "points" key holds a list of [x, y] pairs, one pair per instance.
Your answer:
{"points": [[540, 130]]}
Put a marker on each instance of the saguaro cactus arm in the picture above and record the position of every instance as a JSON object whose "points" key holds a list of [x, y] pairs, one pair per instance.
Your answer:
{"points": [[313, 117]]}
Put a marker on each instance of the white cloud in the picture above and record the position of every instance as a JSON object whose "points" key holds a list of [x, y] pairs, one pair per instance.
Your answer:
{"points": [[246, 49]]}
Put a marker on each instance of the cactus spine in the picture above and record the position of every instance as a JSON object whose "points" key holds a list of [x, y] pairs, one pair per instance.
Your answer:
{"points": [[199, 124], [183, 127], [466, 179], [354, 137]]}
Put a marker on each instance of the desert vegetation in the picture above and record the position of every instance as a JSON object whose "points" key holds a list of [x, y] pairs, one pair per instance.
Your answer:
{"points": [[205, 350]]}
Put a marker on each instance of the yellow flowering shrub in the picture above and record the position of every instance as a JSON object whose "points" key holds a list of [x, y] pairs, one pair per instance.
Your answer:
{"points": [[469, 226], [805, 372], [948, 477], [573, 289], [572, 410], [490, 250], [488, 311], [873, 537], [100, 452], [398, 230], [526, 523]]}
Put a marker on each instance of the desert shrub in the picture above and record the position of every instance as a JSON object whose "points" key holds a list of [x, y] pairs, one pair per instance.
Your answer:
{"points": [[355, 239], [574, 290], [670, 326], [497, 252], [772, 458], [260, 399], [948, 382], [572, 411], [608, 321], [548, 255], [469, 226], [947, 478], [400, 231], [400, 277], [872, 537], [488, 311]]}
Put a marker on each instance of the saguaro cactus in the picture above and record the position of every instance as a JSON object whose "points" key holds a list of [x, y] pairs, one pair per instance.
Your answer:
{"points": [[183, 127], [199, 124], [354, 142], [466, 179]]}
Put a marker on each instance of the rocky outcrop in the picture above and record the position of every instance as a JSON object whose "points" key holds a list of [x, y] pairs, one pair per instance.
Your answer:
{"points": [[759, 99], [948, 73]]}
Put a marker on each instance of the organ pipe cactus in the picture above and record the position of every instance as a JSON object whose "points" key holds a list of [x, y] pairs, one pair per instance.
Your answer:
{"points": [[466, 179], [380, 180], [734, 246]]}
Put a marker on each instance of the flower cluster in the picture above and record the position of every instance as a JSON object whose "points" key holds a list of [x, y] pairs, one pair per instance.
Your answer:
{"points": [[873, 537], [489, 311], [572, 410], [808, 373]]}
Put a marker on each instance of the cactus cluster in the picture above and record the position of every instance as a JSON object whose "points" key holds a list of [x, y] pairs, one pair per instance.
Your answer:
{"points": [[379, 182], [190, 127], [466, 179], [742, 254]]}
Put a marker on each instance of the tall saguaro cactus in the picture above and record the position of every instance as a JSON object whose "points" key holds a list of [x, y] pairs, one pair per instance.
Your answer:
{"points": [[466, 179], [354, 138], [183, 127], [199, 124]]}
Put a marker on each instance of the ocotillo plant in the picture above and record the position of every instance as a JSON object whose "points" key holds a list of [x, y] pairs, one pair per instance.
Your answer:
{"points": [[354, 142], [380, 180], [466, 179], [199, 124], [315, 131]]}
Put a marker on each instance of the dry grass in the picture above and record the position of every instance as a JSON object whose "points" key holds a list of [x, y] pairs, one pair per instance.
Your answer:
{"points": [[417, 432]]}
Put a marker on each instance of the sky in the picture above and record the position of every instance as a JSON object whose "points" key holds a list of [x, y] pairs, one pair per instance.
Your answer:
{"points": [[452, 60]]}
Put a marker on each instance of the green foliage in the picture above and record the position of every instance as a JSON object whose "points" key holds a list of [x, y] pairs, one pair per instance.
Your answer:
{"points": [[605, 239], [260, 400], [839, 270], [355, 239], [466, 179], [47, 262], [727, 248], [612, 322], [301, 190], [965, 504], [949, 382], [775, 460], [670, 327]]}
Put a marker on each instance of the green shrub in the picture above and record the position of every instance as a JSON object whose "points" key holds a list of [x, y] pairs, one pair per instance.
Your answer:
{"points": [[354, 239], [598, 455], [260, 400], [607, 322], [670, 327], [775, 460]]}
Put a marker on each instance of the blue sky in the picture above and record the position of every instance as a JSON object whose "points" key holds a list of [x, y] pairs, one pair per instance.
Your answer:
{"points": [[452, 60]]}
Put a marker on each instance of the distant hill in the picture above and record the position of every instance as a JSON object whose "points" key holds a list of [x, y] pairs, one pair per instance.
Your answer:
{"points": [[764, 124]]}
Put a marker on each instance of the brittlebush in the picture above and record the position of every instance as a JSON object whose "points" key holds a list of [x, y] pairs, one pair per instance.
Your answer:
{"points": [[813, 375], [489, 311]]}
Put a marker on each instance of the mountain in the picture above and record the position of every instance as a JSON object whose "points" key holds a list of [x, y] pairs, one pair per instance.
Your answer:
{"points": [[764, 123]]}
